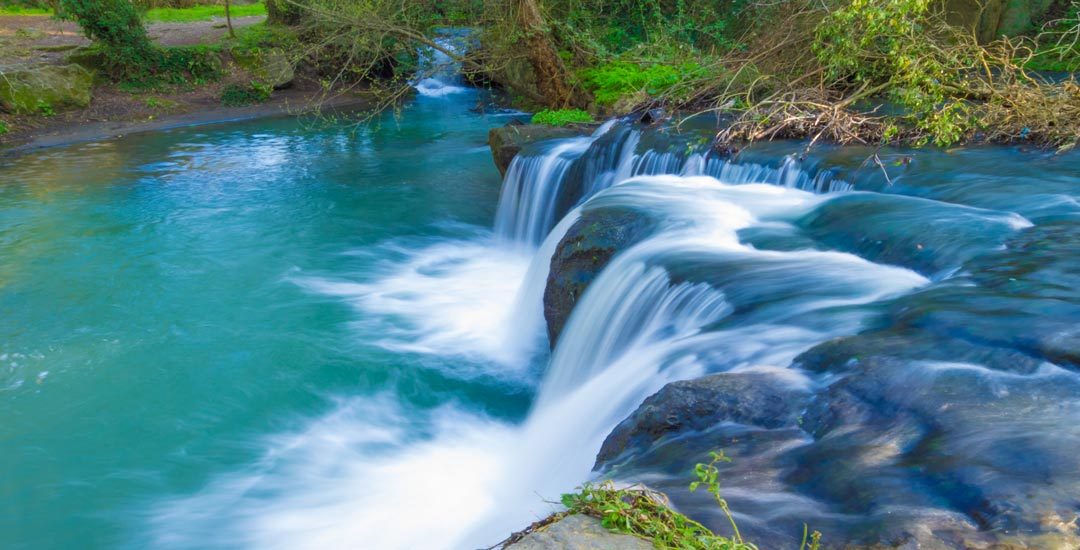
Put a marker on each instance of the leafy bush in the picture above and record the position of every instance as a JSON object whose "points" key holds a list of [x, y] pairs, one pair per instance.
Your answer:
{"points": [[236, 95], [615, 80], [4, 128], [561, 117], [175, 66], [115, 26]]}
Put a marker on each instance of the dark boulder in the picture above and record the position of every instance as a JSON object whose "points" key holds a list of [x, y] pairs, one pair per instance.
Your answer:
{"points": [[507, 141], [750, 398], [587, 247]]}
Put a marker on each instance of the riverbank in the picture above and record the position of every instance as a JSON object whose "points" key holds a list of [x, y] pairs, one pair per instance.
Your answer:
{"points": [[203, 108]]}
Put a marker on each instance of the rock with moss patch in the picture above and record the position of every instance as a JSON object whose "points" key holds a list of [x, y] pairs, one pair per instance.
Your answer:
{"points": [[271, 67], [578, 532], [45, 88], [507, 141]]}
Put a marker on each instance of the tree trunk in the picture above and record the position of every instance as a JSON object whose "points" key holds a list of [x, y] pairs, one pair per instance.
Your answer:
{"points": [[551, 77], [228, 20]]}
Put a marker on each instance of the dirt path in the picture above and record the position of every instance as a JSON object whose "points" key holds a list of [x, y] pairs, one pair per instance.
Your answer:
{"points": [[42, 39]]}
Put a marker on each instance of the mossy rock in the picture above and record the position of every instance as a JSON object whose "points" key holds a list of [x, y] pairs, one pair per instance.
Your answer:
{"points": [[28, 90], [267, 66], [506, 141]]}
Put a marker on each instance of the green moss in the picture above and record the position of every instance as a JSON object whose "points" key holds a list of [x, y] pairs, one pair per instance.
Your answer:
{"points": [[561, 117], [45, 89]]}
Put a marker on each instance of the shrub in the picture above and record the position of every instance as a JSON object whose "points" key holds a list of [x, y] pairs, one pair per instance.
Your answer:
{"points": [[235, 95], [4, 128], [616, 80], [561, 117], [115, 26]]}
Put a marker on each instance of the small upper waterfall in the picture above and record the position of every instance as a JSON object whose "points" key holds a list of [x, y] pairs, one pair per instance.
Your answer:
{"points": [[545, 181], [439, 74]]}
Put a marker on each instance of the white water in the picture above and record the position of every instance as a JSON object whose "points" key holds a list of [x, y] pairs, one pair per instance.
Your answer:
{"points": [[375, 475]]}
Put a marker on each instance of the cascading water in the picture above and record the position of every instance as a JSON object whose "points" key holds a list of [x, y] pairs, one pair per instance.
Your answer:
{"points": [[542, 184], [634, 330], [338, 350]]}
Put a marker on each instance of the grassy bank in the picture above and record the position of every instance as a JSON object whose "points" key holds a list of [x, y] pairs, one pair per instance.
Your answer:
{"points": [[202, 13]]}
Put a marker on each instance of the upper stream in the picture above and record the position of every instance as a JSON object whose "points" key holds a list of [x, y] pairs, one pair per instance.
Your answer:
{"points": [[287, 334]]}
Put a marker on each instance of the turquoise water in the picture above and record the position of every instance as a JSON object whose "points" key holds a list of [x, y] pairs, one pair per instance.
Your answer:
{"points": [[282, 334], [159, 319]]}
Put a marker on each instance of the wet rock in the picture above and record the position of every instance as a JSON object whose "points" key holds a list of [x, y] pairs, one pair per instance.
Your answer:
{"points": [[749, 398], [271, 67], [587, 247], [578, 532], [654, 116], [883, 229], [45, 88], [508, 140]]}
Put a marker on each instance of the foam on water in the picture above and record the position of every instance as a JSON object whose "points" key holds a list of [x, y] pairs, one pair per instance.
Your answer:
{"points": [[371, 475], [453, 298]]}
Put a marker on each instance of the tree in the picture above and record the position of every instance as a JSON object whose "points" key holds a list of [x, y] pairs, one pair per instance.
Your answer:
{"points": [[115, 25], [551, 76]]}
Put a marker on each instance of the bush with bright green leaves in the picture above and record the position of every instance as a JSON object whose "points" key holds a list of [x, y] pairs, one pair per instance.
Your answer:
{"points": [[561, 117]]}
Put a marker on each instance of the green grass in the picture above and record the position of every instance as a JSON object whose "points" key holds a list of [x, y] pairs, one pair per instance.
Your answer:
{"points": [[4, 128], [164, 15], [261, 35], [644, 514], [21, 10], [201, 13], [561, 117]]}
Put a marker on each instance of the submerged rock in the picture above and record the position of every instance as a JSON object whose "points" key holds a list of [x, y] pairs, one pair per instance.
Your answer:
{"points": [[748, 398], [45, 88], [508, 140], [578, 532], [587, 247]]}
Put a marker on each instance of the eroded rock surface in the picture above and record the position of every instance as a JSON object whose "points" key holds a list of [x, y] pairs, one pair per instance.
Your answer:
{"points": [[578, 532]]}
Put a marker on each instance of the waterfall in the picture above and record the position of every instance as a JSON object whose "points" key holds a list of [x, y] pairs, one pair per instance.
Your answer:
{"points": [[544, 182], [439, 75], [689, 300]]}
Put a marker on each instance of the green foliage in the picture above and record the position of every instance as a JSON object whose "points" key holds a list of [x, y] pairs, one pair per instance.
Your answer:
{"points": [[176, 66], [203, 13], [235, 95], [115, 26], [4, 128], [615, 26], [634, 512], [44, 108], [642, 513], [886, 45], [261, 36], [1059, 44], [615, 80], [561, 117], [869, 40]]}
